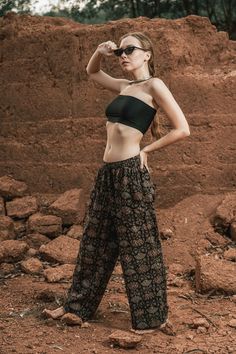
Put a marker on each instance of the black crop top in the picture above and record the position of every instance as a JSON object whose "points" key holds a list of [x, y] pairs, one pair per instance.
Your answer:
{"points": [[131, 111]]}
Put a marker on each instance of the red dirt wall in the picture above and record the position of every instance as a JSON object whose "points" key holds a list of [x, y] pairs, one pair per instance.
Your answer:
{"points": [[52, 122]]}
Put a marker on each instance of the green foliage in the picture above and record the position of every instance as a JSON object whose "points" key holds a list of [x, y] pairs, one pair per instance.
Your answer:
{"points": [[222, 13], [22, 6]]}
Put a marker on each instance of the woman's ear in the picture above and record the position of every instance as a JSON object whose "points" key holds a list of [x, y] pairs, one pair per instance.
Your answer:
{"points": [[148, 56]]}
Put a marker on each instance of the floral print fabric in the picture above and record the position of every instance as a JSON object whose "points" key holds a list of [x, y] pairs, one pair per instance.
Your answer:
{"points": [[120, 221]]}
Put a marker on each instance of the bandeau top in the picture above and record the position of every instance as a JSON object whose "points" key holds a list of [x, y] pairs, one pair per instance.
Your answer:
{"points": [[131, 111]]}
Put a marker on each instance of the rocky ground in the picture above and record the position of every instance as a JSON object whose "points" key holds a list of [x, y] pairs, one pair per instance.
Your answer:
{"points": [[198, 237]]}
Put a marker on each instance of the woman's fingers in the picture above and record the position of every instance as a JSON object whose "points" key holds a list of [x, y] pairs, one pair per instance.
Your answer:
{"points": [[144, 164], [111, 45], [107, 47], [143, 160], [146, 167]]}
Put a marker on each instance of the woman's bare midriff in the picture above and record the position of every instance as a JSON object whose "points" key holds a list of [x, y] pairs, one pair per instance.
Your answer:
{"points": [[123, 142]]}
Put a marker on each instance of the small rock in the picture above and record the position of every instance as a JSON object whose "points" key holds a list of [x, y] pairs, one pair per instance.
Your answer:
{"points": [[12, 250], [31, 252], [204, 244], [36, 240], [225, 213], [165, 234], [189, 336], [200, 322], [76, 231], [125, 339], [215, 238], [71, 319], [232, 323], [20, 228], [234, 298], [7, 230], [201, 329], [32, 266], [217, 274], [70, 206], [230, 254], [22, 207], [85, 325], [55, 274], [49, 225], [11, 188], [62, 249], [6, 268]]}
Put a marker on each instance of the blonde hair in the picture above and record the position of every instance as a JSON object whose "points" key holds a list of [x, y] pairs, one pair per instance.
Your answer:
{"points": [[146, 43]]}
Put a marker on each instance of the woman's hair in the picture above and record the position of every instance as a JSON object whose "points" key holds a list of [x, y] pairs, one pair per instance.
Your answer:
{"points": [[147, 44]]}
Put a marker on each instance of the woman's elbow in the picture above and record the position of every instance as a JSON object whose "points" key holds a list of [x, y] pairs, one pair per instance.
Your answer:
{"points": [[87, 70], [185, 132]]}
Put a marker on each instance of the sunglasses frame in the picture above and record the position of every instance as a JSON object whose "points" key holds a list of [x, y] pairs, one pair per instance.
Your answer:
{"points": [[119, 51]]}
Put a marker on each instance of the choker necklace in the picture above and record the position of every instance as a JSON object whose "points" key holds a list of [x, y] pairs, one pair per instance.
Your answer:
{"points": [[137, 81]]}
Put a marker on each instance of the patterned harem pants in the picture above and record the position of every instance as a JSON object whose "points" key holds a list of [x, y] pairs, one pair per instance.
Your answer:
{"points": [[120, 221]]}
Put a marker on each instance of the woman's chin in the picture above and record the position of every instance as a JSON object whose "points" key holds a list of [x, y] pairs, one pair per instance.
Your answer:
{"points": [[125, 69]]}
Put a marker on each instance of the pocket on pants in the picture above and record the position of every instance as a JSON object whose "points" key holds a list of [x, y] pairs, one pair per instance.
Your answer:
{"points": [[148, 186], [145, 170]]}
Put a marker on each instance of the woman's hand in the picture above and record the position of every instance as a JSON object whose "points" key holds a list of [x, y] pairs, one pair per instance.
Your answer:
{"points": [[143, 158], [106, 48]]}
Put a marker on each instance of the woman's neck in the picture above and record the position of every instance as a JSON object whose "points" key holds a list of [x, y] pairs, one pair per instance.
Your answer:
{"points": [[140, 80]]}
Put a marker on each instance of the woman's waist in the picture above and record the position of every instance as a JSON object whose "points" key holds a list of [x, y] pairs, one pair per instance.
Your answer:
{"points": [[122, 145], [118, 152], [121, 132]]}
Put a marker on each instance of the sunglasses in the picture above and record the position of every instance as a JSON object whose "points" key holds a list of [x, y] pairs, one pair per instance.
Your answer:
{"points": [[129, 50]]}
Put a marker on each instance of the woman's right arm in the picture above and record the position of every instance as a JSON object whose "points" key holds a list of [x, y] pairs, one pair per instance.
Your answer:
{"points": [[98, 75]]}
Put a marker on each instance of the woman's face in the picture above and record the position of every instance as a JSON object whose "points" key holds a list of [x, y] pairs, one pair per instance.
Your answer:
{"points": [[135, 60]]}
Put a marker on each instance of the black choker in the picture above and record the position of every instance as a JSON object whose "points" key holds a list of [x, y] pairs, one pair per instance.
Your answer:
{"points": [[137, 81]]}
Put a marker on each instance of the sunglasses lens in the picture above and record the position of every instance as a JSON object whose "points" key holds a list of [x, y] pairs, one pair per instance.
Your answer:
{"points": [[118, 52], [129, 50]]}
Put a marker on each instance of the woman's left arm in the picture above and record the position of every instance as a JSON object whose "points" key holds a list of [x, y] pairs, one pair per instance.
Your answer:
{"points": [[164, 98]]}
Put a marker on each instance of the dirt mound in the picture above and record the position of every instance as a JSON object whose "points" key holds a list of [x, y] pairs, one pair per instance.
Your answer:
{"points": [[52, 117]]}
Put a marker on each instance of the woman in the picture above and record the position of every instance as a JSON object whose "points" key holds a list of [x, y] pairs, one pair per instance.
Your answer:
{"points": [[121, 218]]}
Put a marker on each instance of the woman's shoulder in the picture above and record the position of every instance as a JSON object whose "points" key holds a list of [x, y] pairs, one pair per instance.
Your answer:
{"points": [[156, 81], [157, 85]]}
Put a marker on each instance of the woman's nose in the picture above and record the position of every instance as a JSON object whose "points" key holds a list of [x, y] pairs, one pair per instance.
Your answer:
{"points": [[123, 55]]}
